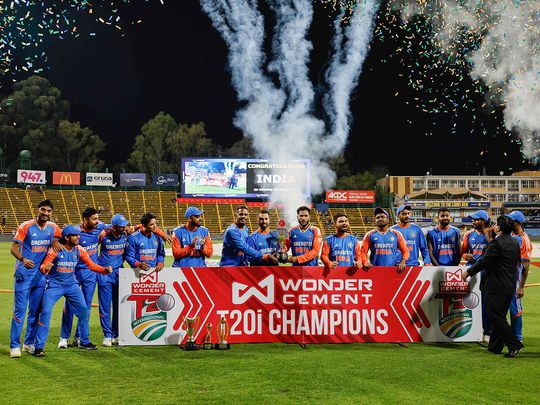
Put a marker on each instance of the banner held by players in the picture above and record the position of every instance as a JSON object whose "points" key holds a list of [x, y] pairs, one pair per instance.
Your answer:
{"points": [[301, 305]]}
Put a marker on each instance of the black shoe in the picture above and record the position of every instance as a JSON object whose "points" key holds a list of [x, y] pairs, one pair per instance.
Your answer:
{"points": [[39, 353], [513, 353], [87, 346]]}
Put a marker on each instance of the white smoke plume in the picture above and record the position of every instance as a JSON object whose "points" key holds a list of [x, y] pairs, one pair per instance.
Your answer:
{"points": [[279, 117], [507, 58]]}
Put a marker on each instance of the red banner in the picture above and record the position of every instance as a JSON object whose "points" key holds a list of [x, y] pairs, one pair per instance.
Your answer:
{"points": [[301, 305], [68, 178], [350, 196]]}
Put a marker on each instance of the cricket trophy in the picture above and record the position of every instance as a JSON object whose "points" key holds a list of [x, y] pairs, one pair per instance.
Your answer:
{"points": [[207, 344], [223, 333], [191, 325], [282, 236]]}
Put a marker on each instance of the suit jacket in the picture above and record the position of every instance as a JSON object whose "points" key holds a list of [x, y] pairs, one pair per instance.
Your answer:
{"points": [[500, 264]]}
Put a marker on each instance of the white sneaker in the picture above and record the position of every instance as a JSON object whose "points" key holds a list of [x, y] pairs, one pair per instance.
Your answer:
{"points": [[63, 343], [114, 341], [486, 338], [29, 348], [107, 342], [76, 342], [15, 352]]}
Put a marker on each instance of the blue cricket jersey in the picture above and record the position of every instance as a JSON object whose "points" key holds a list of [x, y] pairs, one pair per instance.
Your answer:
{"points": [[475, 243], [236, 252], [445, 245], [416, 243], [266, 243], [386, 249], [147, 248], [344, 250], [184, 254], [305, 245]]}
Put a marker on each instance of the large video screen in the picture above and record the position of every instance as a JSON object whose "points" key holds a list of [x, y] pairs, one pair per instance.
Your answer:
{"points": [[249, 178]]}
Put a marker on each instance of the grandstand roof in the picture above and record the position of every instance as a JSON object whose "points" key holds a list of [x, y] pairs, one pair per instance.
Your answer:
{"points": [[445, 193]]}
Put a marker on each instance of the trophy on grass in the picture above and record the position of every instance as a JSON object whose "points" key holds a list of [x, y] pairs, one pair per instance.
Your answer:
{"points": [[207, 344], [223, 333], [191, 325], [282, 236]]}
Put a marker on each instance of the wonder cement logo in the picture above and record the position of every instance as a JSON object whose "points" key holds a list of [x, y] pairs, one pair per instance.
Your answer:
{"points": [[150, 304], [241, 293], [455, 319]]}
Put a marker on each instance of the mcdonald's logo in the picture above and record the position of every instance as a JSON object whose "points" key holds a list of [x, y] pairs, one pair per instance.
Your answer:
{"points": [[67, 178]]}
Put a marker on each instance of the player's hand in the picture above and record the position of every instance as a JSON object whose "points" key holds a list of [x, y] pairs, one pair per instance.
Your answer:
{"points": [[333, 265], [468, 256], [57, 246], [292, 259], [144, 266], [272, 259], [465, 275], [109, 269], [47, 268], [203, 242], [401, 266], [357, 264], [520, 292], [29, 263], [367, 265], [167, 238], [159, 267], [194, 242]]}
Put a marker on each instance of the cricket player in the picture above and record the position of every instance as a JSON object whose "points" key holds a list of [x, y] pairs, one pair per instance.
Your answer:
{"points": [[304, 240], [145, 248], [413, 235], [525, 247], [90, 229], [61, 281], [236, 252], [191, 242], [444, 241], [29, 247], [341, 248], [112, 247], [387, 246], [263, 240]]}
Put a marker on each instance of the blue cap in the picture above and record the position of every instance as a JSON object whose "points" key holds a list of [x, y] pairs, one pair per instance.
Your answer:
{"points": [[119, 220], [71, 230], [480, 214], [403, 207], [379, 210], [193, 211], [517, 216]]}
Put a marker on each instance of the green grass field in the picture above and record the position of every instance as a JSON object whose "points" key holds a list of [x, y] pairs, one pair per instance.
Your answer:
{"points": [[200, 190], [269, 373]]}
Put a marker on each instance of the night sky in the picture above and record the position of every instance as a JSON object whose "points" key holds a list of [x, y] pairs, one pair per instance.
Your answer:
{"points": [[174, 61]]}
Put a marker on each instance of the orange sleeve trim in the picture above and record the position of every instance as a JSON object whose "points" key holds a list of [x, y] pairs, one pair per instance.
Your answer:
{"points": [[315, 248], [402, 246], [179, 251], [91, 265], [208, 249], [325, 254]]}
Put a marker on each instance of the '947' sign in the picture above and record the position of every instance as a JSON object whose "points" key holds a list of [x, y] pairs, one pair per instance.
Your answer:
{"points": [[31, 176]]}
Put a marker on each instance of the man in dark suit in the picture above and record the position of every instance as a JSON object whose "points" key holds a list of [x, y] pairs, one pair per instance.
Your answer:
{"points": [[500, 264]]}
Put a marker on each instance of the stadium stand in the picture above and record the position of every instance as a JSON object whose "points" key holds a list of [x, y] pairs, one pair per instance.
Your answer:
{"points": [[18, 205]]}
